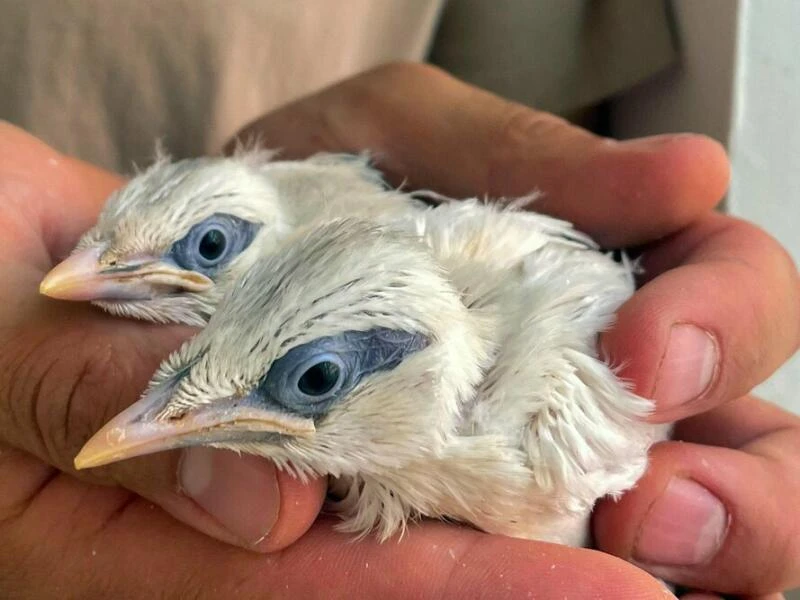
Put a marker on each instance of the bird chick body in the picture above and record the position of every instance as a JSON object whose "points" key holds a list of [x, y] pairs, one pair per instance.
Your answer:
{"points": [[168, 244], [461, 343]]}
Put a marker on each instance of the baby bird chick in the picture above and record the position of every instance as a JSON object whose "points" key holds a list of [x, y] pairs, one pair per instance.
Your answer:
{"points": [[167, 245], [449, 370]]}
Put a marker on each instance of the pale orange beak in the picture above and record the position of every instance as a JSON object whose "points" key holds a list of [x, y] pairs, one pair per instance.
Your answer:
{"points": [[138, 430], [82, 277]]}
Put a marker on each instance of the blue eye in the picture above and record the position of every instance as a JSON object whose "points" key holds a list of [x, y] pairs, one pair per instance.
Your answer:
{"points": [[213, 243], [309, 379]]}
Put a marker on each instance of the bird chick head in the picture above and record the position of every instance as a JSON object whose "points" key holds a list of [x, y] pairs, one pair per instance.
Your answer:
{"points": [[346, 350], [165, 242]]}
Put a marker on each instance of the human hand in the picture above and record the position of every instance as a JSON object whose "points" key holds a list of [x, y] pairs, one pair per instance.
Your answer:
{"points": [[65, 369], [500, 152], [722, 275]]}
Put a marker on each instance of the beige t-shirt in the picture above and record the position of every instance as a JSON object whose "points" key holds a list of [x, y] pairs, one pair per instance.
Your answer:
{"points": [[103, 79]]}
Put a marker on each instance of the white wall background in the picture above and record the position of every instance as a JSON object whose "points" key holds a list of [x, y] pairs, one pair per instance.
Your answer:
{"points": [[739, 83], [765, 141]]}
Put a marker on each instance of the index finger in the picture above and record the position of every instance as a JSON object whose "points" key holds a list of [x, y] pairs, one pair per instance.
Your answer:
{"points": [[434, 131]]}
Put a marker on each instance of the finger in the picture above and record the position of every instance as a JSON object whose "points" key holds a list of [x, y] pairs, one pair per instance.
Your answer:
{"points": [[437, 132], [735, 424], [125, 546], [66, 369], [68, 375], [713, 518], [735, 319]]}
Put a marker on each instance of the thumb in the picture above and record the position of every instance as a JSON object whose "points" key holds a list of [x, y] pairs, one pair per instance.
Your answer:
{"points": [[66, 369]]}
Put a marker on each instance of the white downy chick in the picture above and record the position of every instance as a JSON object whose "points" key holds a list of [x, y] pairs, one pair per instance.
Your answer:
{"points": [[168, 244], [443, 367]]}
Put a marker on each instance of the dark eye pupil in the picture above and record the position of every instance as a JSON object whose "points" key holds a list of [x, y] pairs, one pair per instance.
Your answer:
{"points": [[319, 379], [212, 244]]}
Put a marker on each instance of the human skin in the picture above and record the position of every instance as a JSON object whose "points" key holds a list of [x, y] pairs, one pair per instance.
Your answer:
{"points": [[121, 530]]}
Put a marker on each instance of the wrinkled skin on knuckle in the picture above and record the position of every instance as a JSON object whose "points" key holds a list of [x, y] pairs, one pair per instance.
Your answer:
{"points": [[59, 389], [517, 125], [516, 135]]}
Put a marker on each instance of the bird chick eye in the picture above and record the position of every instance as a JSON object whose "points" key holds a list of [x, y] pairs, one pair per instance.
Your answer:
{"points": [[309, 379], [213, 243]]}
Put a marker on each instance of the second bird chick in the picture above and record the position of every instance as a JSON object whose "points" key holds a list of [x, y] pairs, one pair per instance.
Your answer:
{"points": [[168, 244]]}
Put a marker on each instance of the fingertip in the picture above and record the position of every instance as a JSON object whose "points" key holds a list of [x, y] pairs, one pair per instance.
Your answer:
{"points": [[690, 521], [251, 502], [698, 169], [710, 161], [615, 521], [717, 316], [300, 503], [691, 168], [663, 518], [637, 191], [662, 183]]}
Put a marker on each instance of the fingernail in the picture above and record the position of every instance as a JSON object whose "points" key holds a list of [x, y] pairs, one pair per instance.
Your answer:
{"points": [[687, 367], [684, 527], [240, 492]]}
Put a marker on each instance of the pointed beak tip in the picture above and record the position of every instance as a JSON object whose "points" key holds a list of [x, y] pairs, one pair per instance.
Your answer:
{"points": [[89, 458], [49, 286], [85, 460], [82, 461], [61, 289], [74, 278], [45, 287], [129, 435], [54, 291], [98, 451]]}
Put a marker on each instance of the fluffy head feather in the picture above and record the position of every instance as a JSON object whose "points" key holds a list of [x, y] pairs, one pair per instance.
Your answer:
{"points": [[364, 277]]}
